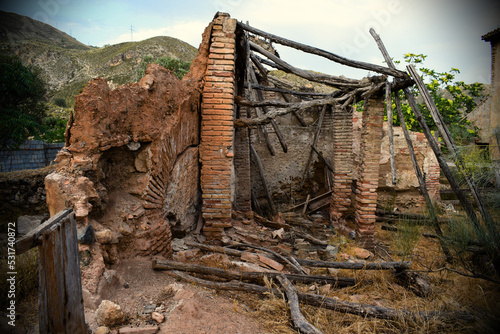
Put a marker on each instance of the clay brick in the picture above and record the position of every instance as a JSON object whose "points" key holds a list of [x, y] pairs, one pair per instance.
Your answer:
{"points": [[223, 50]]}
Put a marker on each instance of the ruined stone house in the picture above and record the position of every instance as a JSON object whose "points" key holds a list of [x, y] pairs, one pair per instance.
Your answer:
{"points": [[164, 156]]}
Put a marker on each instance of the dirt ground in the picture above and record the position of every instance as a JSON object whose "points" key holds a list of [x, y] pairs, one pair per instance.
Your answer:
{"points": [[187, 308]]}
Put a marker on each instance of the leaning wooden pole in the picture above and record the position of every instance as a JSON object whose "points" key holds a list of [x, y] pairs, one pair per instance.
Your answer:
{"points": [[421, 182], [390, 131], [260, 168], [418, 172], [311, 153], [262, 127], [260, 98], [450, 143], [432, 142]]}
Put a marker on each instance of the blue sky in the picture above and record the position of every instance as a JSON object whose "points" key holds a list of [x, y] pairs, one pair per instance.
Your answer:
{"points": [[447, 31]]}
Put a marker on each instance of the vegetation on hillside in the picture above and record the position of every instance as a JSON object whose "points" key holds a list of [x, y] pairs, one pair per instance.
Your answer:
{"points": [[22, 107], [177, 66]]}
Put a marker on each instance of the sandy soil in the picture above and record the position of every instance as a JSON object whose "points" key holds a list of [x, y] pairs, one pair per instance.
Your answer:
{"points": [[186, 308]]}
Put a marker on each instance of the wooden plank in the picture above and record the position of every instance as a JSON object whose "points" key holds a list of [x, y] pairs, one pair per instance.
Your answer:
{"points": [[399, 265], [30, 240], [316, 205], [60, 292], [363, 310], [311, 201], [323, 53], [292, 92], [73, 302]]}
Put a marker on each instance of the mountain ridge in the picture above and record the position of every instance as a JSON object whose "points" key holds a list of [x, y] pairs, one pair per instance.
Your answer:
{"points": [[67, 64]]}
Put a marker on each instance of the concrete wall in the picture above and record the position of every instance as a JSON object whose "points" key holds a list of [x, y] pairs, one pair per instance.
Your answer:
{"points": [[32, 154]]}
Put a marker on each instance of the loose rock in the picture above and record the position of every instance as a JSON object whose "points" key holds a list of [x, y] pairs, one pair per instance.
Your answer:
{"points": [[158, 317], [109, 314]]}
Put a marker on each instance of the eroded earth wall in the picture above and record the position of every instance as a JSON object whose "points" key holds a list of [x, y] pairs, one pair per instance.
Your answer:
{"points": [[129, 168]]}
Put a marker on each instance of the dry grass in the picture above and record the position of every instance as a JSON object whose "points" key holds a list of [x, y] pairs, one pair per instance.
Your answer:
{"points": [[451, 293]]}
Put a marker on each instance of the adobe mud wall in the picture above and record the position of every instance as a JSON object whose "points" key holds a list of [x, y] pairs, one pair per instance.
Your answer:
{"points": [[130, 166]]}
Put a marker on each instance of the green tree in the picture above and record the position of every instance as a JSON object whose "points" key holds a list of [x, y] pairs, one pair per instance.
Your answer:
{"points": [[454, 100], [22, 107]]}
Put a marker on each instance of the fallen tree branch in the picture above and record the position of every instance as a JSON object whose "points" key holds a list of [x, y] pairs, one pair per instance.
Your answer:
{"points": [[329, 303], [310, 238], [299, 321], [398, 265], [251, 275]]}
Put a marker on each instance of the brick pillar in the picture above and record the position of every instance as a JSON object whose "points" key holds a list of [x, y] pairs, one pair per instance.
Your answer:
{"points": [[366, 188], [342, 163], [217, 132]]}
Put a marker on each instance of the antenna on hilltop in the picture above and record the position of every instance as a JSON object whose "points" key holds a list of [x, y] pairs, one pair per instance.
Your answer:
{"points": [[132, 32]]}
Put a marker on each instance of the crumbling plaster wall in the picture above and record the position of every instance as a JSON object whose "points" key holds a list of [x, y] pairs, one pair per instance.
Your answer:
{"points": [[283, 171], [130, 166]]}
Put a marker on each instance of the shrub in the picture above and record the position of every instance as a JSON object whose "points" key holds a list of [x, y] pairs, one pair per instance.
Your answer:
{"points": [[60, 102], [177, 66]]}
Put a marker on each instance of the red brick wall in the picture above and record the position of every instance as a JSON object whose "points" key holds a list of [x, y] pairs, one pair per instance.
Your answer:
{"points": [[342, 163], [366, 187], [217, 133]]}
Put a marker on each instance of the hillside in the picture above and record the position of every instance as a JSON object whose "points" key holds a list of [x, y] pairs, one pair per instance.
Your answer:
{"points": [[68, 65], [16, 28]]}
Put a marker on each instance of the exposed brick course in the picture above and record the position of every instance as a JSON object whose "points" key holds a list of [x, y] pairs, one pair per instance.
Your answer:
{"points": [[366, 187], [342, 162], [217, 132]]}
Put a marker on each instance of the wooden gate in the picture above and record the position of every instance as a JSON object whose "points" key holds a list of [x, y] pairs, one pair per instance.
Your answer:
{"points": [[60, 289]]}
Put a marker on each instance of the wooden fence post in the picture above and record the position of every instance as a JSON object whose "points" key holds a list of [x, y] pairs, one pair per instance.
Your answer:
{"points": [[60, 288]]}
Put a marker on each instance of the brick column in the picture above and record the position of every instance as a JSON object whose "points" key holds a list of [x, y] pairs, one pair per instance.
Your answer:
{"points": [[366, 188], [217, 132], [342, 163]]}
